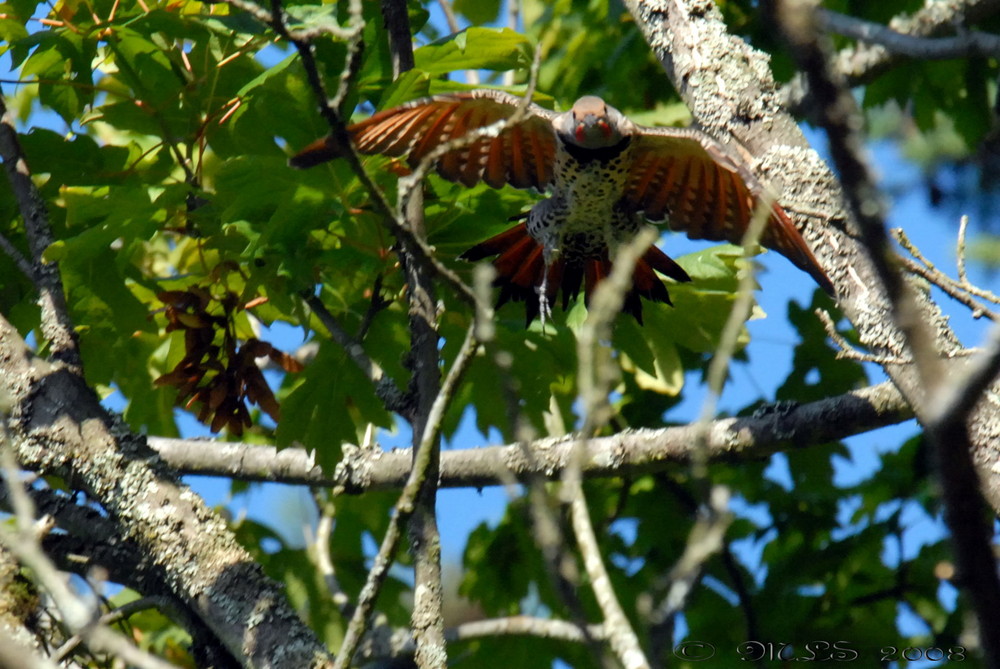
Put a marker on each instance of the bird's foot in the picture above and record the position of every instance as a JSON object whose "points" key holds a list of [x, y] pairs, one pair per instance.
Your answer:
{"points": [[544, 307]]}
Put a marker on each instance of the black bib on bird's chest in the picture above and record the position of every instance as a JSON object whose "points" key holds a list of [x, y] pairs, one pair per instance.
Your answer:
{"points": [[604, 154]]}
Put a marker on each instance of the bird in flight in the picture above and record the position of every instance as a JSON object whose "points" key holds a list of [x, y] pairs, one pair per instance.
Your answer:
{"points": [[605, 175]]}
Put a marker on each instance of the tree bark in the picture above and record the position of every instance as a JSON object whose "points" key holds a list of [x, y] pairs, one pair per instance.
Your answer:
{"points": [[57, 426], [731, 92]]}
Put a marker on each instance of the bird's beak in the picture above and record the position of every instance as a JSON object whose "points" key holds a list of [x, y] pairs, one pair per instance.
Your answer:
{"points": [[584, 126]]}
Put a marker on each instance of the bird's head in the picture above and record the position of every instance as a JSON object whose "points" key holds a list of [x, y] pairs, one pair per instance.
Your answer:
{"points": [[592, 124]]}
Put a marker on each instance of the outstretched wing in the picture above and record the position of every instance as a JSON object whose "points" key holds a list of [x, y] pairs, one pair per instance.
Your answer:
{"points": [[692, 180], [522, 155]]}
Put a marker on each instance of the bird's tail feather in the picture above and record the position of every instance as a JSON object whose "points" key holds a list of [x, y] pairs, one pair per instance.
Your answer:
{"points": [[522, 275]]}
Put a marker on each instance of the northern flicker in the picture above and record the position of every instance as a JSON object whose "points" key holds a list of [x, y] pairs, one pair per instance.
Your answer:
{"points": [[606, 176]]}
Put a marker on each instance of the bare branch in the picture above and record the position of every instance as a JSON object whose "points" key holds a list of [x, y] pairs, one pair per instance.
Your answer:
{"points": [[352, 62], [110, 618], [863, 63], [326, 28], [896, 43], [627, 454], [320, 552], [22, 263], [847, 349], [395, 643], [621, 637], [545, 628], [962, 290], [963, 227], [419, 248], [718, 368], [404, 507], [597, 371], [706, 539]]}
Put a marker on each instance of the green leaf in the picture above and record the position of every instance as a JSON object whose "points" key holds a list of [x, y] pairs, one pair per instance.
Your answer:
{"points": [[478, 11], [475, 49], [331, 405], [653, 360], [61, 63], [409, 86]]}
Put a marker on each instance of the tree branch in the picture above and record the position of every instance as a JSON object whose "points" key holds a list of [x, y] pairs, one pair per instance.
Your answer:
{"points": [[77, 614], [625, 454], [56, 326], [970, 44], [863, 63], [57, 427], [393, 399], [427, 617]]}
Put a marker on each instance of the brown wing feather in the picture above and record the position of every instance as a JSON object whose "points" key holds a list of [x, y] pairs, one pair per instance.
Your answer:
{"points": [[692, 180], [522, 155]]}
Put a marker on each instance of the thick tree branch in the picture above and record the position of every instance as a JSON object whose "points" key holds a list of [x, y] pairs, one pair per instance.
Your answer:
{"points": [[77, 614], [625, 454], [57, 426]]}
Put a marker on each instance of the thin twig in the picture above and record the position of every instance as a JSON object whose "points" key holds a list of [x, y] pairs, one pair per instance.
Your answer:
{"points": [[718, 368], [321, 551], [116, 615], [597, 373], [705, 540], [325, 28], [861, 63], [386, 389], [597, 370], [963, 226], [352, 61], [847, 350], [956, 292], [929, 271], [20, 261], [422, 252], [620, 635], [544, 628], [404, 505]]}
